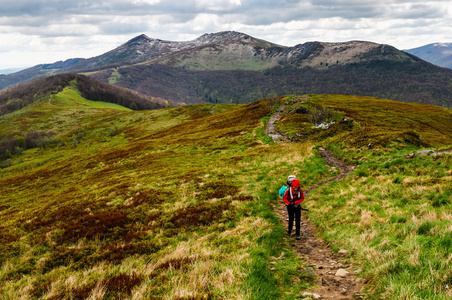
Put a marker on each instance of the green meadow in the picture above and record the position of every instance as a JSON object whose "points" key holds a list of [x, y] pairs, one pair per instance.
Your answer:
{"points": [[102, 202], [392, 213]]}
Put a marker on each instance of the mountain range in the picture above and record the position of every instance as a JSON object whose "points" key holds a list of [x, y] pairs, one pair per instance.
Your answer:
{"points": [[233, 67], [437, 53]]}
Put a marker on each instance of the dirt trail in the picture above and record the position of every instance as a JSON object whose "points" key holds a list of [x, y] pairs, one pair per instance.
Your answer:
{"points": [[336, 278], [271, 127]]}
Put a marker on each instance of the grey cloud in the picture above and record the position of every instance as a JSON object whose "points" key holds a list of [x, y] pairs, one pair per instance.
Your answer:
{"points": [[127, 7], [62, 8], [24, 21], [269, 12], [417, 11], [170, 18], [34, 7], [122, 28], [188, 9], [403, 9]]}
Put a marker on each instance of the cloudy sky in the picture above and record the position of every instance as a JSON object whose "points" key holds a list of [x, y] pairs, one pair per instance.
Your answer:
{"points": [[43, 31]]}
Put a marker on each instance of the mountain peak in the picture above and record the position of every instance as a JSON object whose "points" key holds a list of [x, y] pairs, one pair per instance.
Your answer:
{"points": [[223, 36], [442, 45], [142, 38]]}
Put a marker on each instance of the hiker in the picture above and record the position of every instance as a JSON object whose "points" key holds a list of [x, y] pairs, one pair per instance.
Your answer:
{"points": [[284, 188], [290, 179], [293, 198]]}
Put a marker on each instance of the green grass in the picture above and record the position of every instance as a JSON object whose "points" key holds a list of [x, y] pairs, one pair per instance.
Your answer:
{"points": [[392, 213], [377, 122], [395, 219], [178, 203], [172, 203], [115, 76]]}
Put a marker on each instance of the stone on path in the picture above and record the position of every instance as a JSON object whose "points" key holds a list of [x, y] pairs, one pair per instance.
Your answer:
{"points": [[341, 273], [312, 295]]}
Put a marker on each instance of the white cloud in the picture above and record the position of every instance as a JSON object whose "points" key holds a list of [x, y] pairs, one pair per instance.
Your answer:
{"points": [[150, 2], [36, 31], [217, 5]]}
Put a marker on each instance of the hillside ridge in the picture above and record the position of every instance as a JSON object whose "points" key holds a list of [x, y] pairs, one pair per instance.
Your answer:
{"points": [[143, 48], [25, 94]]}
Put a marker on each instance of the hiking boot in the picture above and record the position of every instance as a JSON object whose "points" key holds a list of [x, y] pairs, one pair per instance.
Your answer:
{"points": [[298, 237]]}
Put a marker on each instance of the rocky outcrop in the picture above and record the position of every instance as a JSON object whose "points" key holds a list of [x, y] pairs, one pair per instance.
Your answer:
{"points": [[428, 152]]}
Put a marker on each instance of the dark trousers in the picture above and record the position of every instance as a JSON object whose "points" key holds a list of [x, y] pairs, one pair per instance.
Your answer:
{"points": [[294, 213]]}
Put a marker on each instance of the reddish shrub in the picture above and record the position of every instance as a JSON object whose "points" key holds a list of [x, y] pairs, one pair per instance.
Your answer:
{"points": [[198, 215], [150, 196], [62, 256], [48, 216], [177, 263], [243, 198], [40, 288], [218, 189], [105, 224], [122, 284], [6, 237], [82, 292], [117, 252]]}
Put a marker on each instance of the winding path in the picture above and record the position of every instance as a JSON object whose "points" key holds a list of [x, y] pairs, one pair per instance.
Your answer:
{"points": [[271, 127], [335, 277]]}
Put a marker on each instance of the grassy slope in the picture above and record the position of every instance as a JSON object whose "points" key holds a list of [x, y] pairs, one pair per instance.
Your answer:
{"points": [[163, 204], [176, 203], [229, 57], [22, 95], [393, 214], [379, 124]]}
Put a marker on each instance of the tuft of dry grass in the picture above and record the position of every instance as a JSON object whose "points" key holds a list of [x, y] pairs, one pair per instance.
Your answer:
{"points": [[366, 218]]}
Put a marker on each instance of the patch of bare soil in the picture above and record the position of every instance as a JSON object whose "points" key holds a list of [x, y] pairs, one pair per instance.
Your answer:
{"points": [[336, 278]]}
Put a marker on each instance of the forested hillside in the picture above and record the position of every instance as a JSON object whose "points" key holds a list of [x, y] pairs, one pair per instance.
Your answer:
{"points": [[401, 81], [22, 95]]}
